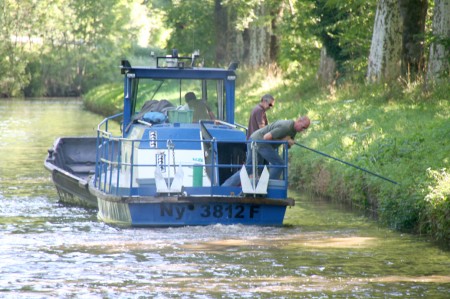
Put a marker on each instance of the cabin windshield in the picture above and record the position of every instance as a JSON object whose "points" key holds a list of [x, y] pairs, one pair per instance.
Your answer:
{"points": [[208, 92]]}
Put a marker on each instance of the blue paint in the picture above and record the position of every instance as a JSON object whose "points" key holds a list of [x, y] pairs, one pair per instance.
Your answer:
{"points": [[224, 133], [183, 136], [183, 214]]}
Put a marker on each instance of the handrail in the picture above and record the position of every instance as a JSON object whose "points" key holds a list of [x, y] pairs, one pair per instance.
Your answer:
{"points": [[105, 122], [110, 165]]}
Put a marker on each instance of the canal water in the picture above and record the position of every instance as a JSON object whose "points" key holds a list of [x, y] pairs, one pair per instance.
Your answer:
{"points": [[49, 250]]}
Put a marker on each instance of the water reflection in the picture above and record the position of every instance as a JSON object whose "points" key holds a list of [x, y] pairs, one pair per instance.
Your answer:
{"points": [[48, 250]]}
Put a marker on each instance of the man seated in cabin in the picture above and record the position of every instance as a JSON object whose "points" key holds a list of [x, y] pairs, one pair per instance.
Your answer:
{"points": [[200, 108], [279, 130]]}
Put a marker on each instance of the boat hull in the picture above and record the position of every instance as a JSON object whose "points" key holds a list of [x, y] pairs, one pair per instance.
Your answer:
{"points": [[71, 162], [181, 214], [187, 211], [72, 190]]}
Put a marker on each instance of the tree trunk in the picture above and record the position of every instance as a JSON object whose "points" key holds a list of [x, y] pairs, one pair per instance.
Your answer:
{"points": [[233, 38], [438, 65], [251, 46], [258, 41], [221, 27], [327, 69], [277, 15], [386, 47], [413, 13]]}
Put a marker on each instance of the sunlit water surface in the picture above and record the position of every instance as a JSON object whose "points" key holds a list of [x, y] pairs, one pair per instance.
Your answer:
{"points": [[48, 250]]}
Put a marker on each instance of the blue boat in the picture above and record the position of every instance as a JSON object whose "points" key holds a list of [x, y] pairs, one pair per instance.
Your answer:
{"points": [[168, 164]]}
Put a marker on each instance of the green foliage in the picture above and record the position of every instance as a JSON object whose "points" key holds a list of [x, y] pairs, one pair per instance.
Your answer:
{"points": [[343, 27], [15, 29], [339, 28], [61, 49], [396, 132], [105, 100], [192, 26], [299, 49], [82, 42], [86, 54], [36, 86], [435, 218], [399, 132], [245, 11]]}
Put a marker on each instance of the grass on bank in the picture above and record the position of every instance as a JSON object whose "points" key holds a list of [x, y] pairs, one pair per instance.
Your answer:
{"points": [[400, 132]]}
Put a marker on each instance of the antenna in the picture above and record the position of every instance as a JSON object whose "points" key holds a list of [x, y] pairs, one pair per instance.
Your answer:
{"points": [[194, 56], [193, 39]]}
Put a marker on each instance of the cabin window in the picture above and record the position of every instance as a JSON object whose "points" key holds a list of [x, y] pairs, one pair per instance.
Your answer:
{"points": [[211, 92]]}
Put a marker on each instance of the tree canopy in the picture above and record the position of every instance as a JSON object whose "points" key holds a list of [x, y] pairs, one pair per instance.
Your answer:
{"points": [[62, 48]]}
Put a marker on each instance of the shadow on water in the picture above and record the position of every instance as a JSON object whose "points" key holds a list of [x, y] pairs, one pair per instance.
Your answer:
{"points": [[49, 250], [321, 210]]}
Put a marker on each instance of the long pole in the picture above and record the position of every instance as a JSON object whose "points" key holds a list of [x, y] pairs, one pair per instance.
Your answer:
{"points": [[346, 163]]}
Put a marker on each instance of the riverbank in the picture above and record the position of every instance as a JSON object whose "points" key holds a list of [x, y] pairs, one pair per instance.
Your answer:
{"points": [[399, 132]]}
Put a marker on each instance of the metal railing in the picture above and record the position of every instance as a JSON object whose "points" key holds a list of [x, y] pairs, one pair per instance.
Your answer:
{"points": [[116, 167]]}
